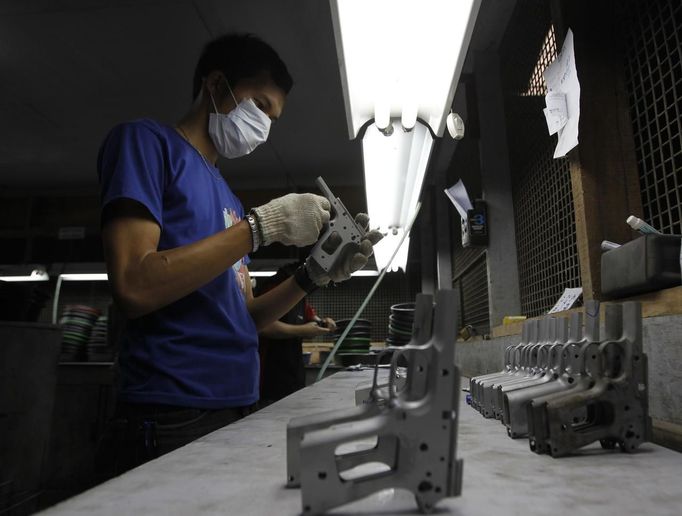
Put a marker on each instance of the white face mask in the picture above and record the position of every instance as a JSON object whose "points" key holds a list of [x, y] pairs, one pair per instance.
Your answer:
{"points": [[240, 131]]}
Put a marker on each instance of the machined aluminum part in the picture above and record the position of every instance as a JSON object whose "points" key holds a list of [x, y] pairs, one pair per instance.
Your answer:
{"points": [[341, 235], [407, 426], [564, 387]]}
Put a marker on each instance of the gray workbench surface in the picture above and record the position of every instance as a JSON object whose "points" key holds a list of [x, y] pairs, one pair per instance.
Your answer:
{"points": [[241, 470]]}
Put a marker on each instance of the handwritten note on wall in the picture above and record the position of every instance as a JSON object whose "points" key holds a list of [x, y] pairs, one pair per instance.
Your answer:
{"points": [[561, 77]]}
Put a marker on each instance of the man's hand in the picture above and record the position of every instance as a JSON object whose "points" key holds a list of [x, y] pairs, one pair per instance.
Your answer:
{"points": [[311, 329], [295, 219], [348, 263], [326, 322]]}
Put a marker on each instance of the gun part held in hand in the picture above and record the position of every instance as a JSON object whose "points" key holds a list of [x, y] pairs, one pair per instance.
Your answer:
{"points": [[339, 236]]}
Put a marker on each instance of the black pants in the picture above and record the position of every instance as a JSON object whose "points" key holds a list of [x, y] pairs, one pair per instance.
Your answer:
{"points": [[140, 433]]}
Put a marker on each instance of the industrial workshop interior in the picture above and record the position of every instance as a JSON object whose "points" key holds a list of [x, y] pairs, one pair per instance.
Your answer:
{"points": [[281, 257]]}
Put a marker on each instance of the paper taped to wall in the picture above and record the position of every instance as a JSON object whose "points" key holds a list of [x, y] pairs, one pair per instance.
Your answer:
{"points": [[567, 299], [458, 195], [561, 77]]}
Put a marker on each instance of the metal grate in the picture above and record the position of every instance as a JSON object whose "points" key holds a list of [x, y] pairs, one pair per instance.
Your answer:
{"points": [[469, 267], [473, 285], [653, 55], [537, 85], [543, 199], [343, 300]]}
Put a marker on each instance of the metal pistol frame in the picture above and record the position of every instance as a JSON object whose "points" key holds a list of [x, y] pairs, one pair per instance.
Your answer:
{"points": [[341, 235], [413, 432]]}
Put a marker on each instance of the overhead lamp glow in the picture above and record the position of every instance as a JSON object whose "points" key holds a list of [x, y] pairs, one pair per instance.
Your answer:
{"points": [[364, 273], [416, 62], [84, 277], [262, 274], [394, 173], [35, 275]]}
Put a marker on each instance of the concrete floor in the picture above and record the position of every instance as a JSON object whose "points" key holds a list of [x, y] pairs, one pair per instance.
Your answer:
{"points": [[241, 469]]}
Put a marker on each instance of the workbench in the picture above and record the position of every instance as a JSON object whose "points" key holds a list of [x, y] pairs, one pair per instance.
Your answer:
{"points": [[241, 470]]}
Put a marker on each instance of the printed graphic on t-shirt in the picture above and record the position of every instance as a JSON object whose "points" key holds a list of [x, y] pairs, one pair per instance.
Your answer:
{"points": [[239, 267]]}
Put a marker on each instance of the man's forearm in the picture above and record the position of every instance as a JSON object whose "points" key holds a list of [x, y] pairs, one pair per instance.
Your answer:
{"points": [[155, 279], [281, 330], [272, 305]]}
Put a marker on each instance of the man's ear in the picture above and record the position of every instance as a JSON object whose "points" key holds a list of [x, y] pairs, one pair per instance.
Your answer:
{"points": [[212, 83]]}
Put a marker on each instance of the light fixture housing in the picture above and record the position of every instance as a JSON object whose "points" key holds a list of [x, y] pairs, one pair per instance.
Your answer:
{"points": [[394, 166], [24, 274], [401, 56], [399, 60]]}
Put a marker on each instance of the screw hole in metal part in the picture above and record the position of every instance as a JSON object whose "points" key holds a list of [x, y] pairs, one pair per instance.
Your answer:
{"points": [[626, 408], [322, 475], [570, 379], [424, 486], [437, 489], [444, 372], [423, 446]]}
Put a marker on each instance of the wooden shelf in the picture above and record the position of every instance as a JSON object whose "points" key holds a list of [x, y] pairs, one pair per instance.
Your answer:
{"points": [[654, 304]]}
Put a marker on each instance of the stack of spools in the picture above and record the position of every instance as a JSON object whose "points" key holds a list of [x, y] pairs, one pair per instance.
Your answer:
{"points": [[77, 322], [400, 324], [356, 344], [98, 350]]}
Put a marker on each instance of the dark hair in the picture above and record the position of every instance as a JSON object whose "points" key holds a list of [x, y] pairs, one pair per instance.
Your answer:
{"points": [[241, 56]]}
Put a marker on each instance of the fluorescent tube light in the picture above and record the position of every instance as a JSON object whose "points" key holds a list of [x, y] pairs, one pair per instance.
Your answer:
{"points": [[394, 166], [399, 60], [365, 273], [262, 274], [401, 54], [36, 275], [84, 277]]}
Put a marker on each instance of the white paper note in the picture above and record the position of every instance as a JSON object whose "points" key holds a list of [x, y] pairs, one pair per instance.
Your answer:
{"points": [[562, 77], [457, 193], [567, 299], [556, 112]]}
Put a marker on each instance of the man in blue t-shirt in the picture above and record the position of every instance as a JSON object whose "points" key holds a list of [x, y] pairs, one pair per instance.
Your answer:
{"points": [[176, 242]]}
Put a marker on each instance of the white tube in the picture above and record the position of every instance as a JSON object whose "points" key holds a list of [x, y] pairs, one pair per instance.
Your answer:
{"points": [[639, 225]]}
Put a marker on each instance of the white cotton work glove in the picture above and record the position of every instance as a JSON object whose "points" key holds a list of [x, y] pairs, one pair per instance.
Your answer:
{"points": [[348, 263], [295, 219]]}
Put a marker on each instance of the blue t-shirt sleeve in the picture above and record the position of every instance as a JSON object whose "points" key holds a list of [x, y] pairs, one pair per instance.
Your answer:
{"points": [[131, 166]]}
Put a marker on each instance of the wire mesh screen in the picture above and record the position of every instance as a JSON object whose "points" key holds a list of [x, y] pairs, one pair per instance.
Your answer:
{"points": [[469, 267], [653, 55], [343, 300], [543, 199], [472, 281]]}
